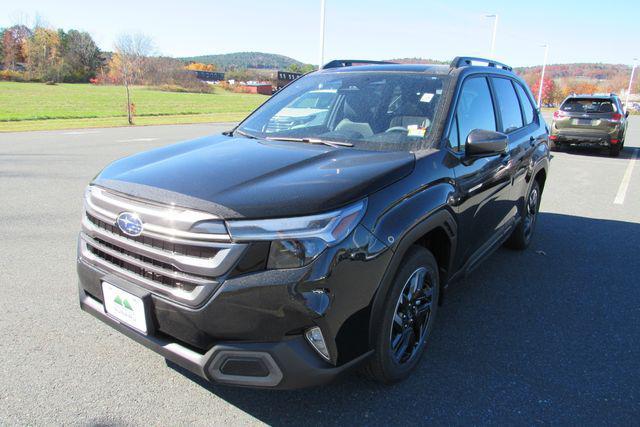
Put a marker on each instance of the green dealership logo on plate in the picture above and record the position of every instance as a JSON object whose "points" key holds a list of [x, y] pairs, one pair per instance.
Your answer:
{"points": [[124, 303]]}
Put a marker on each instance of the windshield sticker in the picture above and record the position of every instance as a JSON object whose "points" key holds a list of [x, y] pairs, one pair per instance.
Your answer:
{"points": [[426, 97], [414, 130]]}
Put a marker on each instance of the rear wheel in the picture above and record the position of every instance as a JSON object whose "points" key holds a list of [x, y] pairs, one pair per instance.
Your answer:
{"points": [[614, 150], [555, 146], [521, 236], [407, 320]]}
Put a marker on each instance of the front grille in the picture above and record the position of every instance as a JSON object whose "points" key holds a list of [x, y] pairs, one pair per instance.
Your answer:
{"points": [[177, 248], [167, 258], [140, 271], [145, 259]]}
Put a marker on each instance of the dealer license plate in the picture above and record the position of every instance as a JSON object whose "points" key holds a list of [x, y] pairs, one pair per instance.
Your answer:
{"points": [[127, 308]]}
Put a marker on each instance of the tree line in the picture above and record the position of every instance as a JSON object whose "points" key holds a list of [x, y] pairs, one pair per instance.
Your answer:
{"points": [[562, 80], [45, 54]]}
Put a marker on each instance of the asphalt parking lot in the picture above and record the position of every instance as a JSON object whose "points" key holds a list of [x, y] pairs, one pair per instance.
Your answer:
{"points": [[549, 335]]}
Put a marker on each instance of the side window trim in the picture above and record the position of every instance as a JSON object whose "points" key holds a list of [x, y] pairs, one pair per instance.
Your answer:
{"points": [[456, 128], [528, 100], [497, 114], [522, 114], [453, 110]]}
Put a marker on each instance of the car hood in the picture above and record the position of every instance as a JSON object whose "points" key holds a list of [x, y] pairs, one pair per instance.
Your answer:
{"points": [[237, 177]]}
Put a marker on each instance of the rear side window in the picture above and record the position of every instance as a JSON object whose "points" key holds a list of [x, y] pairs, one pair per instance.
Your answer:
{"points": [[525, 101], [509, 104], [588, 105], [474, 111]]}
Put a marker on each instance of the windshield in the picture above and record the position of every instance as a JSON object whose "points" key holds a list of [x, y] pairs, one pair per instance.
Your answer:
{"points": [[586, 105], [371, 110]]}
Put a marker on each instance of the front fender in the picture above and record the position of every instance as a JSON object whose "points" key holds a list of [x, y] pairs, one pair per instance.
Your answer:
{"points": [[404, 224], [401, 218]]}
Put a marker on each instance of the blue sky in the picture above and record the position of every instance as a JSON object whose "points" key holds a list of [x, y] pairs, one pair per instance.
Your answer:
{"points": [[576, 31]]}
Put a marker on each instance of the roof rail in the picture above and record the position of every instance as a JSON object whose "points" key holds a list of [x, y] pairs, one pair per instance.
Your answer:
{"points": [[465, 61], [338, 63]]}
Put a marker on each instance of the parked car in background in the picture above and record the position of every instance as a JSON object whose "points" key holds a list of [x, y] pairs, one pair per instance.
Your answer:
{"points": [[590, 119], [282, 256]]}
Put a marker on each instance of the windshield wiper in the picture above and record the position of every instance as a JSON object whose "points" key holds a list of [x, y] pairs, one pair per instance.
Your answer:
{"points": [[245, 134], [334, 144]]}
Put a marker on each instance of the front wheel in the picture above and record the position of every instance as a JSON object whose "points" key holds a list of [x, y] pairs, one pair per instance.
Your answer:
{"points": [[521, 236], [407, 318]]}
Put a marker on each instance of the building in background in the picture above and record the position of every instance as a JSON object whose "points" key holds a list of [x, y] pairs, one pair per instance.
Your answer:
{"points": [[209, 76], [261, 88], [283, 78]]}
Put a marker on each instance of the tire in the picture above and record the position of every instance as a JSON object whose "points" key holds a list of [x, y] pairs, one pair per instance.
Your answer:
{"points": [[614, 150], [555, 146], [417, 300], [521, 236]]}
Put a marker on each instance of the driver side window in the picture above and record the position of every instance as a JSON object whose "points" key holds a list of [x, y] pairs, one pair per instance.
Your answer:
{"points": [[473, 111]]}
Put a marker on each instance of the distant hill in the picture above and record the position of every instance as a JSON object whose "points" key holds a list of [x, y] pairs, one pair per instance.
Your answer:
{"points": [[261, 60], [582, 78], [586, 71]]}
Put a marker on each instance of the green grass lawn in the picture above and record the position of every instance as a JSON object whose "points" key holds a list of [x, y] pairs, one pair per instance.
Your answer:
{"points": [[36, 106]]}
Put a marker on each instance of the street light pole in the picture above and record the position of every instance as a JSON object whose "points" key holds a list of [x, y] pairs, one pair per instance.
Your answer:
{"points": [[493, 37], [633, 70], [544, 66], [322, 9]]}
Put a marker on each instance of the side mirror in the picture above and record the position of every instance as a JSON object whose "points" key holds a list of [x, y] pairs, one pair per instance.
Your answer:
{"points": [[486, 142]]}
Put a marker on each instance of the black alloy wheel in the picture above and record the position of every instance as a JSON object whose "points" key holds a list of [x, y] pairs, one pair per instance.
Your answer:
{"points": [[412, 316]]}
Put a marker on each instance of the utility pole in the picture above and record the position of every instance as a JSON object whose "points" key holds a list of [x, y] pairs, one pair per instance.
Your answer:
{"points": [[544, 66], [493, 37], [633, 70], [322, 11]]}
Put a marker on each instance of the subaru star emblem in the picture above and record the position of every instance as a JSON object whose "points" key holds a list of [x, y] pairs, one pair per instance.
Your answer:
{"points": [[129, 223]]}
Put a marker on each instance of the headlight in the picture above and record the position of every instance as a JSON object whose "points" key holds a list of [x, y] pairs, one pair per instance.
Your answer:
{"points": [[296, 242]]}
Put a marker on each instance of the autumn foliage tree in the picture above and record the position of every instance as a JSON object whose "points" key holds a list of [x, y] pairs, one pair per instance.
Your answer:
{"points": [[46, 54], [80, 54], [550, 92], [43, 55], [198, 66], [13, 41]]}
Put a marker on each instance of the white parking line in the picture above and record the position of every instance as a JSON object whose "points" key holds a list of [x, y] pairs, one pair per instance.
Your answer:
{"points": [[81, 132], [624, 185], [137, 140]]}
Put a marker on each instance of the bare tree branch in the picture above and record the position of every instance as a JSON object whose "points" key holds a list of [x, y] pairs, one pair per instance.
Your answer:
{"points": [[132, 51]]}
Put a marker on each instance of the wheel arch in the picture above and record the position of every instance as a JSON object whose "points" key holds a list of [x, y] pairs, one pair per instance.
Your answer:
{"points": [[438, 233], [541, 178]]}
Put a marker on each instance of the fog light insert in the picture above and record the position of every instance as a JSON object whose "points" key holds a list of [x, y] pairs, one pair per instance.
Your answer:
{"points": [[315, 338]]}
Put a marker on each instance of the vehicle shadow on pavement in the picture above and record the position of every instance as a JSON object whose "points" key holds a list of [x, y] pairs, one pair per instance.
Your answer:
{"points": [[549, 334], [593, 151]]}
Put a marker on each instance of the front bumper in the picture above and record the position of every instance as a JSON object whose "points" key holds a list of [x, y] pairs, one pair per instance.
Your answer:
{"points": [[288, 364], [258, 320]]}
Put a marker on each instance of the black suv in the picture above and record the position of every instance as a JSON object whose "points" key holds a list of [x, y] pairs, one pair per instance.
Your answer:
{"points": [[320, 233], [590, 119]]}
